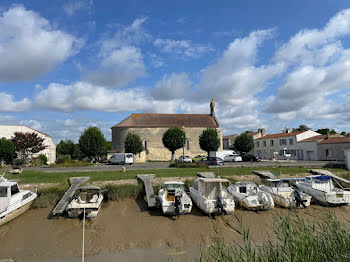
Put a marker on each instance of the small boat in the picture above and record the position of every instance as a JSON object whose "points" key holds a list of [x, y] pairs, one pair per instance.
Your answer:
{"points": [[286, 195], [13, 200], [322, 190], [249, 196], [86, 197], [209, 194], [173, 199]]}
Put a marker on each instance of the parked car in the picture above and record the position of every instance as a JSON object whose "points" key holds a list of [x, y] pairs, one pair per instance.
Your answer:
{"points": [[251, 158], [215, 161], [198, 158], [233, 158], [186, 159]]}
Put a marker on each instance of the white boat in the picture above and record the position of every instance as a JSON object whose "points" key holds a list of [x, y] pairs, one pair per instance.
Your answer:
{"points": [[322, 190], [211, 196], [173, 199], [86, 197], [249, 196], [13, 200], [285, 195]]}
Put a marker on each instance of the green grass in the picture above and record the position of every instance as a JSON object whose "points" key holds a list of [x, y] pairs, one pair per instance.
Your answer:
{"points": [[296, 239], [30, 176], [49, 196]]}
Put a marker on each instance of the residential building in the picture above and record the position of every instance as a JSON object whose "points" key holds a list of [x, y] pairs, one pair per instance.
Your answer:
{"points": [[332, 148], [228, 141], [7, 131], [282, 145], [151, 127]]}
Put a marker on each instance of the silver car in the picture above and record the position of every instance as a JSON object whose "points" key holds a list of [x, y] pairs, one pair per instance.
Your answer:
{"points": [[233, 158], [186, 159]]}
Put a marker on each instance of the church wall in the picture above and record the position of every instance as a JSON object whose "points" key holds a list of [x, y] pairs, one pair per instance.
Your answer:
{"points": [[155, 148]]}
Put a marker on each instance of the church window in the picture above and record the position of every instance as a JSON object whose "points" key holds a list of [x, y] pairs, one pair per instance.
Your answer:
{"points": [[145, 146], [188, 144]]}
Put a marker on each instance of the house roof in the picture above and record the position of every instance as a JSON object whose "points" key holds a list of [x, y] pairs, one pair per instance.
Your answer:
{"points": [[229, 136], [29, 128], [335, 140], [280, 135], [169, 120], [313, 139]]}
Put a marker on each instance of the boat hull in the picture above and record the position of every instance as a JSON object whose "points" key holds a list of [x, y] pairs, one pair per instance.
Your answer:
{"points": [[327, 199], [289, 202], [12, 215], [210, 206]]}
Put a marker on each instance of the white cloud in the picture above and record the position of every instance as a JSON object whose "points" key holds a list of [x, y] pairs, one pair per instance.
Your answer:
{"points": [[72, 7], [174, 86], [30, 46], [9, 105], [185, 48]]}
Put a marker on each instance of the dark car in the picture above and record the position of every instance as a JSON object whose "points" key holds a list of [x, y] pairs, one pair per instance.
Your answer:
{"points": [[251, 158], [214, 161]]}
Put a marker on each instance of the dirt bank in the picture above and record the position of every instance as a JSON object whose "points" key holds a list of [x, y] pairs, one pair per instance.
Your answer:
{"points": [[128, 225]]}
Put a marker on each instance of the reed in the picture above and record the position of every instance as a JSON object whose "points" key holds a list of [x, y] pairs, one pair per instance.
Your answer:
{"points": [[49, 196], [296, 239]]}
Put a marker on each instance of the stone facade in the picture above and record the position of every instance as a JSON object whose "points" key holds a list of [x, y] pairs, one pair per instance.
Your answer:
{"points": [[7, 131], [333, 148]]}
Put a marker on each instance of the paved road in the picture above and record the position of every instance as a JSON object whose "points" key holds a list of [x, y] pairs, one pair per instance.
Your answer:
{"points": [[160, 165]]}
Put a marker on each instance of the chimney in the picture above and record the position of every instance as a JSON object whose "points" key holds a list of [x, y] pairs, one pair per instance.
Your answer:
{"points": [[286, 130], [327, 136], [212, 107]]}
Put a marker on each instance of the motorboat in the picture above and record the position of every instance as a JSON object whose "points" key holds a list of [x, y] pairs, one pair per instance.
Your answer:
{"points": [[173, 199], [249, 196], [13, 200], [86, 197], [286, 195], [211, 196], [320, 186]]}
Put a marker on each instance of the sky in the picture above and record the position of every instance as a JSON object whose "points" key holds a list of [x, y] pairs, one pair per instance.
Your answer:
{"points": [[66, 65]]}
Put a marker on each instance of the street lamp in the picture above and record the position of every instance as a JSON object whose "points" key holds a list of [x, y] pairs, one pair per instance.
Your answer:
{"points": [[183, 147]]}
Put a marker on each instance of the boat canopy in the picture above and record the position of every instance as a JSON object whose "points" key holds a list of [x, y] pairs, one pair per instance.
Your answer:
{"points": [[322, 178]]}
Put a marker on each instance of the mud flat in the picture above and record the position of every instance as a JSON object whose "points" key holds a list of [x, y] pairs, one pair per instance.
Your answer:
{"points": [[126, 231]]}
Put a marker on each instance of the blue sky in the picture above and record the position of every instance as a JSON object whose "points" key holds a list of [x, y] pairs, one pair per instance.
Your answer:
{"points": [[66, 65]]}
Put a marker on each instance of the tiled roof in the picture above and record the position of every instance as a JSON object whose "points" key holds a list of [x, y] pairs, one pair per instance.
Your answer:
{"points": [[229, 136], [168, 120], [280, 135], [313, 139], [335, 140]]}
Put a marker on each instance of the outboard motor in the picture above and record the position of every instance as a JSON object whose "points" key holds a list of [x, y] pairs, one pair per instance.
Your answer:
{"points": [[298, 198], [220, 205], [177, 204]]}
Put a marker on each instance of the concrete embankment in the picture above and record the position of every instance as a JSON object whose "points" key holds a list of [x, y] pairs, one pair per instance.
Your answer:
{"points": [[126, 226]]}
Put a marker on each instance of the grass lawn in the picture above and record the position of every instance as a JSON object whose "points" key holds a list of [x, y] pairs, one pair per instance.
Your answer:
{"points": [[29, 176]]}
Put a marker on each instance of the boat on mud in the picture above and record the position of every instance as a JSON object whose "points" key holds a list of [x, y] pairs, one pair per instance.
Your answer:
{"points": [[211, 196], [286, 195], [249, 196], [13, 200], [86, 197], [320, 186], [173, 199]]}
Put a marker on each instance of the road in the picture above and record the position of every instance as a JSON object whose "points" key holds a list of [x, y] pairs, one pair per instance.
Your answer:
{"points": [[161, 165]]}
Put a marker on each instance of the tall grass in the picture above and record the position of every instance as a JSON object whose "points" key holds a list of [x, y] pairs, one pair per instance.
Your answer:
{"points": [[49, 196], [296, 239]]}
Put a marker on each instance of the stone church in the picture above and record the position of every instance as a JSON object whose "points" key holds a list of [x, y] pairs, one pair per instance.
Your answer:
{"points": [[151, 127]]}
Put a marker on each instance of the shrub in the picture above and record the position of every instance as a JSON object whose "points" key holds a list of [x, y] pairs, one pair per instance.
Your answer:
{"points": [[189, 165], [43, 159], [63, 158]]}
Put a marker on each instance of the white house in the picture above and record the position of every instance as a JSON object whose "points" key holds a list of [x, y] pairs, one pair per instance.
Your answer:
{"points": [[282, 145], [7, 131]]}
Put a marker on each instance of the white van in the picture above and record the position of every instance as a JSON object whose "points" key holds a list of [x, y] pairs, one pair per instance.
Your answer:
{"points": [[121, 158], [221, 154]]}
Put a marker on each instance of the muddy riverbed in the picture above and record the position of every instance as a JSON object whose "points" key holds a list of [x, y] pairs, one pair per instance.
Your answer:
{"points": [[126, 231]]}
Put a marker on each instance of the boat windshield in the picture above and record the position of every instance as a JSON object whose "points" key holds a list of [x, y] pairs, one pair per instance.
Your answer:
{"points": [[211, 190], [3, 191], [174, 186]]}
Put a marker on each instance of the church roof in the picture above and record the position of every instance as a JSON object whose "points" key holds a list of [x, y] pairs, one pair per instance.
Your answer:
{"points": [[169, 120]]}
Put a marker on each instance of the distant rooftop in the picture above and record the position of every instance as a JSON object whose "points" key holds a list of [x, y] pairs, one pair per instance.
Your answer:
{"points": [[280, 135]]}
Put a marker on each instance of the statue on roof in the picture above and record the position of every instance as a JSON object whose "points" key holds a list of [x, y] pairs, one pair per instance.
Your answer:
{"points": [[212, 107]]}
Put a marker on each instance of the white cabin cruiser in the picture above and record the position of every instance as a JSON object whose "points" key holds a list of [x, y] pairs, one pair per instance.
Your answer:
{"points": [[13, 200], [249, 196], [211, 196], [86, 197], [285, 195], [173, 199], [323, 191]]}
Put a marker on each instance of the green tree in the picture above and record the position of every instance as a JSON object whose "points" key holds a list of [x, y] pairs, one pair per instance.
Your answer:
{"points": [[7, 151], [325, 131], [173, 139], [92, 143], [301, 128], [209, 140], [244, 143], [28, 143], [77, 152], [108, 145], [133, 144], [65, 148]]}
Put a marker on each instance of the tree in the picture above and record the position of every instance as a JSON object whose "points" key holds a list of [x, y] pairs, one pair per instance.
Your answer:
{"points": [[92, 143], [325, 131], [244, 143], [301, 128], [209, 140], [77, 152], [65, 148], [173, 139], [28, 143], [133, 144], [7, 150]]}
